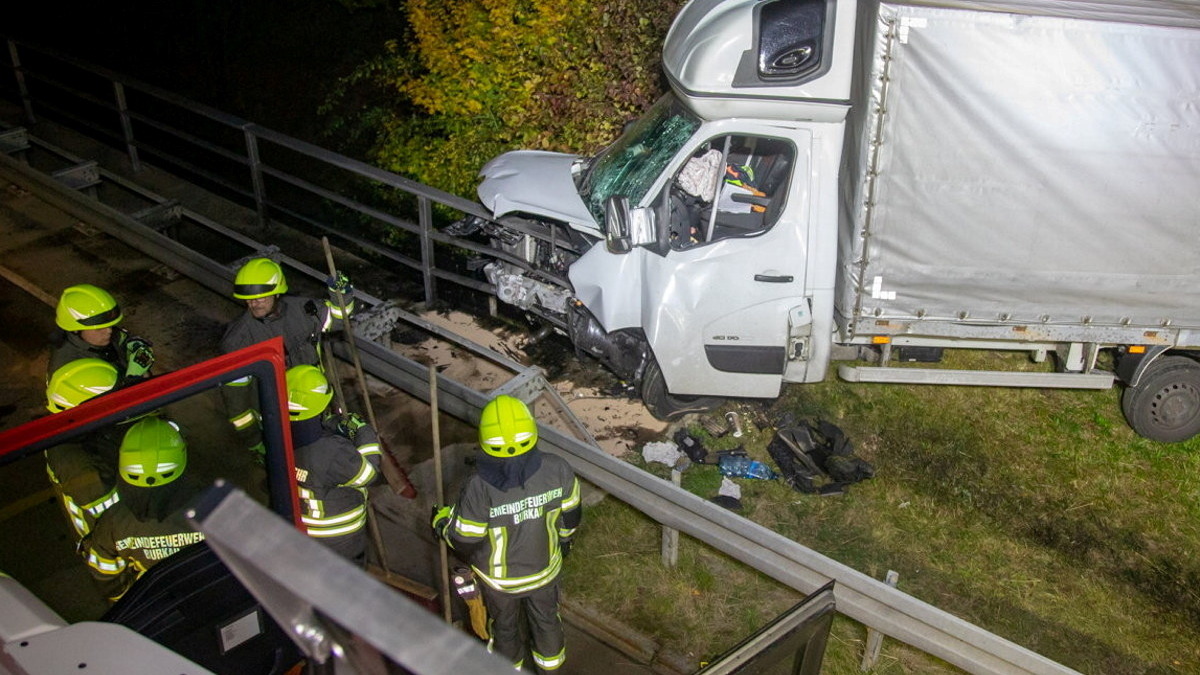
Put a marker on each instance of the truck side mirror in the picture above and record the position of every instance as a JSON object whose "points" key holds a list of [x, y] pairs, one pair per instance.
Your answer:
{"points": [[626, 227], [616, 225]]}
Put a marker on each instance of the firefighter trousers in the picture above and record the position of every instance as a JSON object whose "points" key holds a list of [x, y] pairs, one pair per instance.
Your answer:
{"points": [[539, 609]]}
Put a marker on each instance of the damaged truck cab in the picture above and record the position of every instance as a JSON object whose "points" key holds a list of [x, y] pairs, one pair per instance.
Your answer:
{"points": [[699, 277], [832, 180]]}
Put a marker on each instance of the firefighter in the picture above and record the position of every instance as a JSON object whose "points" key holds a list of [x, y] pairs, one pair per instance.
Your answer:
{"points": [[337, 459], [87, 318], [271, 312], [147, 525], [83, 471], [513, 524], [739, 179]]}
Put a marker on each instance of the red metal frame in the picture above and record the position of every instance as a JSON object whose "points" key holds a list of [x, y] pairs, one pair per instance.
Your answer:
{"points": [[264, 361]]}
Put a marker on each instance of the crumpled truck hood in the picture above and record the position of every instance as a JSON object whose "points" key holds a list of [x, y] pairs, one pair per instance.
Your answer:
{"points": [[538, 183]]}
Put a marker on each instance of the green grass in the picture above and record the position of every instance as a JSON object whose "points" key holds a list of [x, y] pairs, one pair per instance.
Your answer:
{"points": [[1036, 514]]}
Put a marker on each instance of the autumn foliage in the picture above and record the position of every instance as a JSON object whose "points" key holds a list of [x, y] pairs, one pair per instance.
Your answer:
{"points": [[474, 78]]}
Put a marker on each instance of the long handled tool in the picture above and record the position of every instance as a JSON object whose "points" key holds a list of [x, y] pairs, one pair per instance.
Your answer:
{"points": [[335, 380], [465, 583], [393, 473], [435, 434]]}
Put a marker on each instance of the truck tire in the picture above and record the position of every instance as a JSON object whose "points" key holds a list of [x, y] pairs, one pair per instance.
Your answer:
{"points": [[666, 406], [1165, 405]]}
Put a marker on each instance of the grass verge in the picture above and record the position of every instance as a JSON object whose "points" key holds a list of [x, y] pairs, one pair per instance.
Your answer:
{"points": [[1036, 514]]}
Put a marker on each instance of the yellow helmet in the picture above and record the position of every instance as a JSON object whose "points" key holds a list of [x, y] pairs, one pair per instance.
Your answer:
{"points": [[86, 307], [258, 278], [77, 381], [308, 392], [506, 428], [153, 453]]}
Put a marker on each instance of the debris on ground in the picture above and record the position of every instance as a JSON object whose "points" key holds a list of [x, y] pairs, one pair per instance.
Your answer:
{"points": [[735, 423], [817, 458], [691, 446], [663, 452], [713, 426], [725, 501], [729, 489], [736, 464]]}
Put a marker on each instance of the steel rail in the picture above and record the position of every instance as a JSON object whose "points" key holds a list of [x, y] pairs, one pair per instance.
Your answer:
{"points": [[256, 132]]}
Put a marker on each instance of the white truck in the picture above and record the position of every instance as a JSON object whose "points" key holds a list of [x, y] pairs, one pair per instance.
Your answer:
{"points": [[876, 182]]}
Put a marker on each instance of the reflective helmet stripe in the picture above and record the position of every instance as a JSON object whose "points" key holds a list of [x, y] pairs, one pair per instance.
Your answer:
{"points": [[253, 289], [103, 318]]}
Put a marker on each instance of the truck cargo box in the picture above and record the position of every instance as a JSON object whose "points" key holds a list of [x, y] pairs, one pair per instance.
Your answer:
{"points": [[1013, 168]]}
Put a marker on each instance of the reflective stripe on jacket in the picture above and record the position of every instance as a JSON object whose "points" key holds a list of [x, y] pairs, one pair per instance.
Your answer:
{"points": [[332, 475], [511, 537]]}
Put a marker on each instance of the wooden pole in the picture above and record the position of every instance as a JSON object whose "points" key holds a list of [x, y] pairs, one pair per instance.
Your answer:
{"points": [[334, 378], [395, 475], [350, 343], [435, 433]]}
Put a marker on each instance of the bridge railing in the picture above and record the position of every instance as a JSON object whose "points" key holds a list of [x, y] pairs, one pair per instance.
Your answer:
{"points": [[283, 178]]}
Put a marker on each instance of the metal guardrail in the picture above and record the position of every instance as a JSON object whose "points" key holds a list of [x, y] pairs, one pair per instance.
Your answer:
{"points": [[230, 152], [860, 597]]}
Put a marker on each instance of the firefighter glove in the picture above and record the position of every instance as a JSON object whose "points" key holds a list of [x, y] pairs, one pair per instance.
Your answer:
{"points": [[350, 424], [564, 545], [139, 357], [340, 284], [259, 452], [441, 519]]}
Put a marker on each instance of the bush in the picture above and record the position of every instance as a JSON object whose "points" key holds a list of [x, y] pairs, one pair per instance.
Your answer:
{"points": [[475, 78]]}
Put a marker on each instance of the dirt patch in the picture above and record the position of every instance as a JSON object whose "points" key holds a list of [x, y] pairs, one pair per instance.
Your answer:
{"points": [[617, 422]]}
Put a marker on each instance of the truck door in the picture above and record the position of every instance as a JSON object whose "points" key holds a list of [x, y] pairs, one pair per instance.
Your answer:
{"points": [[725, 293]]}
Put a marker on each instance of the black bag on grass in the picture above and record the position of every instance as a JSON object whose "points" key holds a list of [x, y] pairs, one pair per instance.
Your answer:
{"points": [[817, 458]]}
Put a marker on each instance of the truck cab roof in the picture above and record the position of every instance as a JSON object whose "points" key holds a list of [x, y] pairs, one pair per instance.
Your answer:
{"points": [[792, 59]]}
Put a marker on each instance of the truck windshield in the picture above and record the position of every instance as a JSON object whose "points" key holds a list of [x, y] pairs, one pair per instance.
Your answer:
{"points": [[631, 164]]}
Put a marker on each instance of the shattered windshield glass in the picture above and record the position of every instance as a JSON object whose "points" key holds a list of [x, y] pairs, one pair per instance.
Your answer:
{"points": [[630, 165]]}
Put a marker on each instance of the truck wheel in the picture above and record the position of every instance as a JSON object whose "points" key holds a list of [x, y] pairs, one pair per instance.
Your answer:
{"points": [[1165, 405], [666, 406]]}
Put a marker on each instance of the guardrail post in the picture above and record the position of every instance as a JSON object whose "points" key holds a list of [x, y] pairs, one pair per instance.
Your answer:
{"points": [[670, 536], [425, 217], [26, 101], [874, 637], [126, 126], [256, 179]]}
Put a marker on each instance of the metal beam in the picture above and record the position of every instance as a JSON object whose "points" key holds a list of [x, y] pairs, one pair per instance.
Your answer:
{"points": [[977, 378]]}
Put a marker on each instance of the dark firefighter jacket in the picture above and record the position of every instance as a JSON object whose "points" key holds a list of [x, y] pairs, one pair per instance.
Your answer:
{"points": [[67, 346], [84, 475], [145, 527], [511, 517], [299, 321], [332, 473]]}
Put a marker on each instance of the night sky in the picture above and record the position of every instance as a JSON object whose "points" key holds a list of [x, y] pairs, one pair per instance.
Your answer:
{"points": [[269, 61]]}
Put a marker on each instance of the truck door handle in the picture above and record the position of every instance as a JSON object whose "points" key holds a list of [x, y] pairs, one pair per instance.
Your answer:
{"points": [[774, 278]]}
